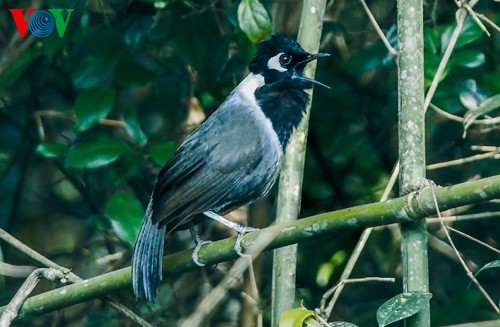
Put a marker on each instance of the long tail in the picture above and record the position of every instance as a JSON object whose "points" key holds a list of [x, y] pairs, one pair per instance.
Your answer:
{"points": [[147, 258]]}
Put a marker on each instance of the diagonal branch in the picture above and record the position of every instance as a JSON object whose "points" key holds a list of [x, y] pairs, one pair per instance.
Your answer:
{"points": [[54, 271], [380, 33], [462, 261], [461, 15], [413, 206]]}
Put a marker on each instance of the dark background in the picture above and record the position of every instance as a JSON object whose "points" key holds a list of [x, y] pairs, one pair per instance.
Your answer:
{"points": [[73, 188]]}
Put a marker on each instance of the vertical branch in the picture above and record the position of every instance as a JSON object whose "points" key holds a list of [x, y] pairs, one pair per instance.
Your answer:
{"points": [[412, 147], [290, 184]]}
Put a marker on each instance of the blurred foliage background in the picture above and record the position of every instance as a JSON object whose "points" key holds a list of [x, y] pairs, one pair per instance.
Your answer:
{"points": [[87, 121]]}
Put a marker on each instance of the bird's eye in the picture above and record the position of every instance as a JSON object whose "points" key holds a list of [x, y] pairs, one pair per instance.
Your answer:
{"points": [[285, 59]]}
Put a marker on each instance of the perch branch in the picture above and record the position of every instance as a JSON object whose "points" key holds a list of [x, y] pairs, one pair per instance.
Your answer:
{"points": [[413, 206]]}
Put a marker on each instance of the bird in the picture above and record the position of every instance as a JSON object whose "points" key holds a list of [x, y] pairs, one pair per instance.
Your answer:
{"points": [[232, 159]]}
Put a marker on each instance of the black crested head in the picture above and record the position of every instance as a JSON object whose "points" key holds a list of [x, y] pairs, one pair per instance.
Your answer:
{"points": [[281, 61], [280, 58], [276, 44]]}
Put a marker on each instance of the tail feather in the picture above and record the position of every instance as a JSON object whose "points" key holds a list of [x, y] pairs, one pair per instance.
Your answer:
{"points": [[147, 258]]}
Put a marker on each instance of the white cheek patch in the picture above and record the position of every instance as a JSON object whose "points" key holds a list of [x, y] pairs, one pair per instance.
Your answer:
{"points": [[274, 63]]}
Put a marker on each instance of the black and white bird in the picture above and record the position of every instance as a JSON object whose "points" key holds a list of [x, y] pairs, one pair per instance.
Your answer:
{"points": [[231, 160]]}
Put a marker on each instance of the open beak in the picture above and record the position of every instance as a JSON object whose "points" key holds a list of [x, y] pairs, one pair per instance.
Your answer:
{"points": [[303, 63], [312, 57]]}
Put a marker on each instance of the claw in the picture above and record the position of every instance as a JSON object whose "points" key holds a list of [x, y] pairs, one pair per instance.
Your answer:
{"points": [[241, 232], [194, 255], [199, 243]]}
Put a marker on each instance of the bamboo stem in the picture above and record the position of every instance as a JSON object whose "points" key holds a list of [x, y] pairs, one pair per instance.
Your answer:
{"points": [[412, 148], [290, 183]]}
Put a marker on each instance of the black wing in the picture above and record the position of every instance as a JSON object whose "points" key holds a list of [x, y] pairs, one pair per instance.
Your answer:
{"points": [[207, 167]]}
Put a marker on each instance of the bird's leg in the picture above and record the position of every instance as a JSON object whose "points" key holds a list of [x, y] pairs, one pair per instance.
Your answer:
{"points": [[241, 230], [199, 243]]}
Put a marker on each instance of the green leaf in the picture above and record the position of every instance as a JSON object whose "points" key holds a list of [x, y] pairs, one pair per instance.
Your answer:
{"points": [[365, 60], [132, 126], [107, 44], [431, 64], [254, 20], [325, 272], [127, 167], [485, 107], [93, 105], [489, 104], [216, 59], [470, 58], [341, 324], [125, 213], [161, 152], [311, 322], [100, 222], [18, 66], [298, 317], [51, 149], [470, 32], [134, 74], [401, 306], [95, 152], [52, 44], [491, 81], [489, 265], [471, 94], [195, 32], [89, 72], [431, 40]]}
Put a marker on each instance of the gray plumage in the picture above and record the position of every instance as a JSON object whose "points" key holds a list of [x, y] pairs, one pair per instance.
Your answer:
{"points": [[232, 159], [207, 174]]}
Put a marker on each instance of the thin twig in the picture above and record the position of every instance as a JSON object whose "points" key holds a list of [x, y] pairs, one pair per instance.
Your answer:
{"points": [[486, 245], [476, 157], [16, 49], [112, 301], [473, 14], [485, 148], [320, 319], [15, 271], [38, 115], [381, 34], [211, 301], [69, 276], [445, 249], [12, 310], [255, 291], [434, 12], [104, 12], [461, 15], [474, 216], [487, 121], [464, 265], [341, 283], [35, 255], [489, 21], [357, 250]]}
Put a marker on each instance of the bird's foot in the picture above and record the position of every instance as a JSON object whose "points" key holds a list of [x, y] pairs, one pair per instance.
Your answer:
{"points": [[242, 230], [194, 255]]}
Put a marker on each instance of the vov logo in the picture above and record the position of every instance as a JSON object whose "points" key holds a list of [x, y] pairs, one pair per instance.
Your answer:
{"points": [[41, 23]]}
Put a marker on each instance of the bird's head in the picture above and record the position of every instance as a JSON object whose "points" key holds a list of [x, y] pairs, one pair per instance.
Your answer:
{"points": [[281, 59]]}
